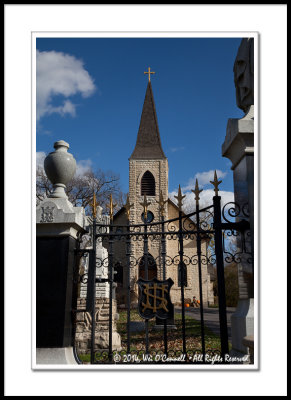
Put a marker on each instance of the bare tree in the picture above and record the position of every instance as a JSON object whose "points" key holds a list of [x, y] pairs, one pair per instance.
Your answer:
{"points": [[43, 186], [81, 188]]}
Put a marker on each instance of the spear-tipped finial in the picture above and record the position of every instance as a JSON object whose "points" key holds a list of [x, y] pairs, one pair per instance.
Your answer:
{"points": [[162, 203], [111, 207], [180, 198], [145, 205], [94, 205], [128, 207], [215, 183], [197, 191]]}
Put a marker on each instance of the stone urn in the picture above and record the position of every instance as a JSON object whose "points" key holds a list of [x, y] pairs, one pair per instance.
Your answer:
{"points": [[60, 168]]}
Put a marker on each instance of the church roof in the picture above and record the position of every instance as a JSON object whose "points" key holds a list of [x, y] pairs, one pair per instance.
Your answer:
{"points": [[148, 142]]}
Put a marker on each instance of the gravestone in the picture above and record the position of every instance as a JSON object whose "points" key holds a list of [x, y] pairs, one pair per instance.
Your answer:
{"points": [[102, 294]]}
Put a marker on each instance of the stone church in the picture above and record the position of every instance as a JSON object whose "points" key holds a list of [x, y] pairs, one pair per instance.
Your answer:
{"points": [[148, 175]]}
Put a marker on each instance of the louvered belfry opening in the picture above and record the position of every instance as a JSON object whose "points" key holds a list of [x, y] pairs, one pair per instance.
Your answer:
{"points": [[148, 184]]}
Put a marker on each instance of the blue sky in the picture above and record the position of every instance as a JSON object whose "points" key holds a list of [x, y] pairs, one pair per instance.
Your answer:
{"points": [[90, 93]]}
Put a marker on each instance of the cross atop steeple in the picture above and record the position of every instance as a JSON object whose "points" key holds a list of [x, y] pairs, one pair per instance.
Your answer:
{"points": [[149, 73]]}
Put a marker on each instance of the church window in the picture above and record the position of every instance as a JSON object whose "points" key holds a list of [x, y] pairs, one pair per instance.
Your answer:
{"points": [[150, 217], [151, 266], [148, 184]]}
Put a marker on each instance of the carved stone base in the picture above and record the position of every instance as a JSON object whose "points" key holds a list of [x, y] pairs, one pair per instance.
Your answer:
{"points": [[83, 326], [102, 341]]}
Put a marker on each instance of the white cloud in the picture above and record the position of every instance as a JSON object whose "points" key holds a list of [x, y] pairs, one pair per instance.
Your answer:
{"points": [[203, 178], [83, 166], [206, 195], [60, 74], [67, 108]]}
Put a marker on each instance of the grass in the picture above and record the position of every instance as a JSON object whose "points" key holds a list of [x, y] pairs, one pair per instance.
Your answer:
{"points": [[175, 341]]}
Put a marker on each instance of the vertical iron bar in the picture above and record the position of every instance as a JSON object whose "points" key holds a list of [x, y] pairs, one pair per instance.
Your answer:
{"points": [[92, 261], [220, 276], [128, 251], [198, 241], [146, 276], [110, 255], [163, 253], [181, 266], [76, 294]]}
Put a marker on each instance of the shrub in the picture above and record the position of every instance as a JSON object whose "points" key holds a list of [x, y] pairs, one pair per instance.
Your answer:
{"points": [[231, 285]]}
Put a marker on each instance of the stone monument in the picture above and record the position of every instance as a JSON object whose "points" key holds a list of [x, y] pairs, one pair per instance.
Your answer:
{"points": [[239, 148], [84, 319], [244, 74], [58, 227]]}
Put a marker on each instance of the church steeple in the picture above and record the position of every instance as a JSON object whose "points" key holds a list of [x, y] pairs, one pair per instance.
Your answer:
{"points": [[148, 143]]}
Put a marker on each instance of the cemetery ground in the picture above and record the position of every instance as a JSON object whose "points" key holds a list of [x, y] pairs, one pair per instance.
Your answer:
{"points": [[156, 336], [174, 336]]}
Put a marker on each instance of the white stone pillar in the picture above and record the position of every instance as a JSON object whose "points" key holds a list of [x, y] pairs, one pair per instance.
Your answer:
{"points": [[58, 227]]}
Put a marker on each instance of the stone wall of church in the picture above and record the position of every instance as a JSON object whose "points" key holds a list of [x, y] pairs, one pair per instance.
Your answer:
{"points": [[190, 253], [159, 169]]}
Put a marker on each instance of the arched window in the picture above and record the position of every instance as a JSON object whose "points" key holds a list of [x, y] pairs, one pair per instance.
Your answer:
{"points": [[152, 267], [148, 186], [182, 271]]}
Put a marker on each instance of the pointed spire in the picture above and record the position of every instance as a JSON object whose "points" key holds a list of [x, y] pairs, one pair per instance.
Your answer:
{"points": [[148, 143]]}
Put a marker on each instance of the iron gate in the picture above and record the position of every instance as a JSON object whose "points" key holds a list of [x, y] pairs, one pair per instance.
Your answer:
{"points": [[213, 223]]}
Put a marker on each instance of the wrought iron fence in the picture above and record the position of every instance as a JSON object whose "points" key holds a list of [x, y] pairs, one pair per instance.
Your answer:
{"points": [[219, 225]]}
